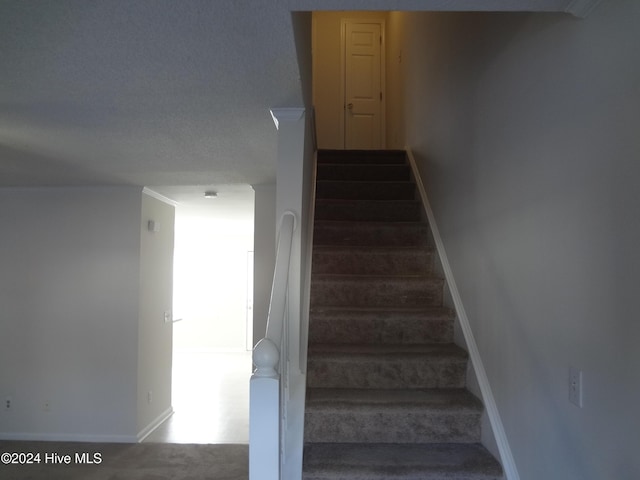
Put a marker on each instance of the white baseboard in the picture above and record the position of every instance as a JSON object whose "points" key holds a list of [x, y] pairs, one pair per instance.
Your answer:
{"points": [[90, 438], [159, 420], [506, 457], [68, 437]]}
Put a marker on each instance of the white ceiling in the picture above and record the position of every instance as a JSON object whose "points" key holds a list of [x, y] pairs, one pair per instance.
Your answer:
{"points": [[158, 92], [234, 202]]}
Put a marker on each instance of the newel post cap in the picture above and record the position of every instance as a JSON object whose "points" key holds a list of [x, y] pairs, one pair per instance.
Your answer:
{"points": [[265, 357]]}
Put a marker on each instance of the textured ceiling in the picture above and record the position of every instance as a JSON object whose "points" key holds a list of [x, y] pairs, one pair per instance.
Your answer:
{"points": [[156, 92], [143, 92]]}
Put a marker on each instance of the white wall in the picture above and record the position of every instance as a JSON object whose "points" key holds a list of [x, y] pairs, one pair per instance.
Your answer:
{"points": [[302, 23], [69, 317], [395, 81], [156, 295], [264, 259], [526, 131]]}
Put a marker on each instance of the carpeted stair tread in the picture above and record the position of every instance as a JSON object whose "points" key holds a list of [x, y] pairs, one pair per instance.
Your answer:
{"points": [[430, 310], [376, 290], [368, 210], [381, 325], [336, 232], [362, 156], [373, 248], [365, 190], [386, 461], [397, 416], [364, 172], [352, 351], [372, 260], [433, 399], [386, 366]]}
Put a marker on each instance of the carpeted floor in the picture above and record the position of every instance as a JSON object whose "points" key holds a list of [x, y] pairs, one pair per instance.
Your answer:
{"points": [[119, 461]]}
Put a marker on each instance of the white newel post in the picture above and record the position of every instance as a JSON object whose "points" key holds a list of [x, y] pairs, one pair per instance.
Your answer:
{"points": [[264, 413]]}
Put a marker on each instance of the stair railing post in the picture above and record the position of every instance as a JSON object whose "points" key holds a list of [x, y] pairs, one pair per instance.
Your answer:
{"points": [[265, 395], [264, 413]]}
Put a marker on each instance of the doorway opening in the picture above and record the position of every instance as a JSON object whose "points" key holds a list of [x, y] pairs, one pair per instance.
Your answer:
{"points": [[212, 330]]}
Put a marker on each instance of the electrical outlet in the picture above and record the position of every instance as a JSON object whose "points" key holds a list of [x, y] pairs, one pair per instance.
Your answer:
{"points": [[167, 316], [8, 403], [575, 386], [149, 397]]}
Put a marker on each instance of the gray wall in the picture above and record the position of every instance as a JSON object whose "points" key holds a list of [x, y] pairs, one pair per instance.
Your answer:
{"points": [[525, 128], [83, 288], [69, 316], [264, 255], [156, 297]]}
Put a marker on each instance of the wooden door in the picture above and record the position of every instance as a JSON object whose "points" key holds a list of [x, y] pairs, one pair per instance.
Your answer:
{"points": [[363, 85]]}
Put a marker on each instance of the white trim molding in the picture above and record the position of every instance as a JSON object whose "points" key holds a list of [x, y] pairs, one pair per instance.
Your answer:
{"points": [[68, 437], [286, 114], [160, 197], [582, 8], [159, 420], [506, 457]]}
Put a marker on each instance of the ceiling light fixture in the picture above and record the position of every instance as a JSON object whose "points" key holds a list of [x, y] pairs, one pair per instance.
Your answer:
{"points": [[210, 194]]}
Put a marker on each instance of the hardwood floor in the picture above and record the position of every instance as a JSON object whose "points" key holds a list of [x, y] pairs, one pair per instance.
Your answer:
{"points": [[210, 399]]}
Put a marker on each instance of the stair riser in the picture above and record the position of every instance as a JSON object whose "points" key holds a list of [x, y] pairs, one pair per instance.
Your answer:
{"points": [[389, 426], [362, 157], [394, 473], [363, 292], [326, 371], [371, 330], [366, 190], [445, 461], [363, 211], [378, 173], [370, 234], [363, 262]]}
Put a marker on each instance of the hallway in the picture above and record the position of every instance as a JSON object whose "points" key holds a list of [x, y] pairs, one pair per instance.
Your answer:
{"points": [[210, 399]]}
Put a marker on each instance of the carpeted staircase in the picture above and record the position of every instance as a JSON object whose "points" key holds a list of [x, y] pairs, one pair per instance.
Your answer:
{"points": [[386, 395]]}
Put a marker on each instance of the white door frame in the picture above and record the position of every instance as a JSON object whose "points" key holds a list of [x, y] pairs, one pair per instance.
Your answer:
{"points": [[383, 74], [249, 301]]}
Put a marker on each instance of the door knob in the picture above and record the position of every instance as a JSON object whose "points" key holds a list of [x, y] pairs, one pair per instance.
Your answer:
{"points": [[350, 106]]}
